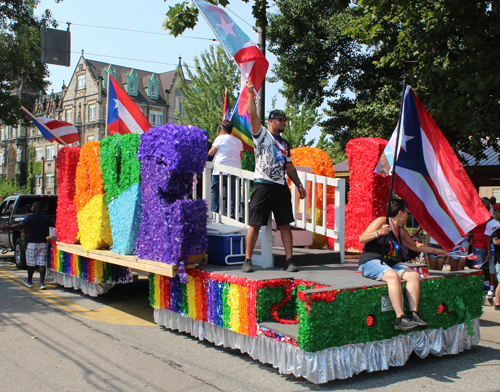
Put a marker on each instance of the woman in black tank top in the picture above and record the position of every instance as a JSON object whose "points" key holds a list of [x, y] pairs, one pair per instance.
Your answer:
{"points": [[384, 240]]}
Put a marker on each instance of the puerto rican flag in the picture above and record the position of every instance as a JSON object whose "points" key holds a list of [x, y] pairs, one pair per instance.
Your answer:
{"points": [[244, 51], [430, 178], [124, 116], [53, 129]]}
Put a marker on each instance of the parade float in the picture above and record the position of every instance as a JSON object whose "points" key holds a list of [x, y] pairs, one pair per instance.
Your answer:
{"points": [[125, 207]]}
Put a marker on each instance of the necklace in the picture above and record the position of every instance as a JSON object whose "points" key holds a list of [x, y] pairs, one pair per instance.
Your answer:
{"points": [[397, 234]]}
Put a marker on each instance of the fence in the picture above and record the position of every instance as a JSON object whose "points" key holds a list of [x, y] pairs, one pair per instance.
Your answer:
{"points": [[303, 218]]}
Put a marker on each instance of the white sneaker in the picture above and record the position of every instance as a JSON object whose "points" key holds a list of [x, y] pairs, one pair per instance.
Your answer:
{"points": [[490, 294]]}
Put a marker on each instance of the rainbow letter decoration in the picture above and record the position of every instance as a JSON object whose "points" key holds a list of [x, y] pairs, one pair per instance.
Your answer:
{"points": [[66, 222], [172, 229], [90, 200], [121, 174]]}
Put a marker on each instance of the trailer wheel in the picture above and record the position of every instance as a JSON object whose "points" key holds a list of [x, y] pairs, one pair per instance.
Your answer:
{"points": [[20, 255]]}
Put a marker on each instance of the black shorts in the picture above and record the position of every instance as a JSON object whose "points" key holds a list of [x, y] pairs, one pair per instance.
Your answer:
{"points": [[270, 197]]}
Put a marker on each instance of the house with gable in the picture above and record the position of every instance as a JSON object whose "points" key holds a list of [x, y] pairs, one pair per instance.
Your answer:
{"points": [[83, 103]]}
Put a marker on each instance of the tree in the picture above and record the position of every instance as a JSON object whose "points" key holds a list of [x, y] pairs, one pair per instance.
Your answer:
{"points": [[356, 53], [204, 94], [184, 15], [20, 51], [8, 188]]}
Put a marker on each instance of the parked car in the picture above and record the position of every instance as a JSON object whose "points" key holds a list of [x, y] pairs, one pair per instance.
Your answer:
{"points": [[13, 210]]}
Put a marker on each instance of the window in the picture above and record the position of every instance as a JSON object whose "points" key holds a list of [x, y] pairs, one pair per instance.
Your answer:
{"points": [[69, 115], [131, 88], [91, 116], [2, 134], [49, 152], [178, 105], [495, 192], [49, 182], [153, 90], [156, 118], [80, 82], [14, 133], [38, 153], [90, 138]]}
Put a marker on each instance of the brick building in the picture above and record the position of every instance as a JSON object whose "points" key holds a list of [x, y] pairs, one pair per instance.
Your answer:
{"points": [[83, 103]]}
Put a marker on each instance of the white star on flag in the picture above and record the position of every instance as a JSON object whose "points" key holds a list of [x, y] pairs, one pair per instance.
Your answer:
{"points": [[227, 27], [405, 139]]}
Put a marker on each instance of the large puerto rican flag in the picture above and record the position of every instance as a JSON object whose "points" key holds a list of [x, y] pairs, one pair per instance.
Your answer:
{"points": [[430, 178], [124, 116], [240, 47], [54, 130]]}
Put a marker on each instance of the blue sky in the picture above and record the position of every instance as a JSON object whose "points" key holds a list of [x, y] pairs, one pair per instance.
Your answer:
{"points": [[157, 52]]}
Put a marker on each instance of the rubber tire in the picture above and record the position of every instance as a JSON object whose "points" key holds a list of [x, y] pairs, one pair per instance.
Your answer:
{"points": [[20, 255]]}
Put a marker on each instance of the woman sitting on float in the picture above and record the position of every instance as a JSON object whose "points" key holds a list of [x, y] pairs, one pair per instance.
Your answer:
{"points": [[388, 269]]}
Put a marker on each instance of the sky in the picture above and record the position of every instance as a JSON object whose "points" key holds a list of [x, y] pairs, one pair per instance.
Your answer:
{"points": [[115, 37]]}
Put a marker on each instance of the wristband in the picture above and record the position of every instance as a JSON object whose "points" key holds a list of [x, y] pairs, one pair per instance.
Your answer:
{"points": [[376, 234]]}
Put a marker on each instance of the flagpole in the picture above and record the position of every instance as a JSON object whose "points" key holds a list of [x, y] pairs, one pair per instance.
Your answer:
{"points": [[46, 128], [107, 106], [226, 50], [396, 151], [234, 107]]}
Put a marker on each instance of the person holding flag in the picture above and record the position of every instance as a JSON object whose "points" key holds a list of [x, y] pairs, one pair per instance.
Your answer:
{"points": [[270, 192]]}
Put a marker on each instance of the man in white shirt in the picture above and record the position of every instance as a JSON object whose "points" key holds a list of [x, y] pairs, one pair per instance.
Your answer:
{"points": [[491, 226], [228, 150]]}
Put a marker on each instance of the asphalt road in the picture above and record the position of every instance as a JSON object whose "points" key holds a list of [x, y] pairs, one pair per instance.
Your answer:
{"points": [[62, 340]]}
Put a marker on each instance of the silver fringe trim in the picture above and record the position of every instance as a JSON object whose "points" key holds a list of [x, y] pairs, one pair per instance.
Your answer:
{"points": [[88, 288], [332, 363]]}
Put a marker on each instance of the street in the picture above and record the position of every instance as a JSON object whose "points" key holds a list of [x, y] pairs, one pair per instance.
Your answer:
{"points": [[60, 339]]}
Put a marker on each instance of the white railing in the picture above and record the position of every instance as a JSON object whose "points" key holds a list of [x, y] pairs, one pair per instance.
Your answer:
{"points": [[305, 221]]}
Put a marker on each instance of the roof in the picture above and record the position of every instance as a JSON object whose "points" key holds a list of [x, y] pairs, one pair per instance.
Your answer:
{"points": [[166, 80], [491, 158], [341, 167]]}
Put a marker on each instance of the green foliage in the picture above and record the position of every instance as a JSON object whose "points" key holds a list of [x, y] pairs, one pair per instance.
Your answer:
{"points": [[20, 43], [22, 176], [8, 188], [34, 168], [184, 16], [355, 54], [204, 95], [335, 151]]}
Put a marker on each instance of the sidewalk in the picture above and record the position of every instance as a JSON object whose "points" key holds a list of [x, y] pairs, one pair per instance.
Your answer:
{"points": [[490, 323]]}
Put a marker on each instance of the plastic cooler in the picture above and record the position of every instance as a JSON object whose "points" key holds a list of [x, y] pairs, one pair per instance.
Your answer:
{"points": [[226, 249]]}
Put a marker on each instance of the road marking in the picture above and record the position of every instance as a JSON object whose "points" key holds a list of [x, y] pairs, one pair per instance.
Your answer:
{"points": [[106, 314]]}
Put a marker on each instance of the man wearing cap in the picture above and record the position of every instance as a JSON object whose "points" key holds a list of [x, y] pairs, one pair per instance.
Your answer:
{"points": [[228, 150], [270, 192]]}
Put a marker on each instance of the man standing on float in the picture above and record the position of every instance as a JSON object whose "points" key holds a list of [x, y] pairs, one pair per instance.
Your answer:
{"points": [[270, 191]]}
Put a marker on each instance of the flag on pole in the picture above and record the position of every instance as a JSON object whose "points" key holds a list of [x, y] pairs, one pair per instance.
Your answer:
{"points": [[124, 116], [225, 111], [240, 47], [241, 128], [430, 178], [54, 130]]}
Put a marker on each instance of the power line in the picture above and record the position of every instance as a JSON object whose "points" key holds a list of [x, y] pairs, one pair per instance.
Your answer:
{"points": [[243, 20], [135, 31], [126, 58]]}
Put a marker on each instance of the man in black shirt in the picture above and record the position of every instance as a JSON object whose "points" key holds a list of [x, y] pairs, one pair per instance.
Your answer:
{"points": [[36, 253]]}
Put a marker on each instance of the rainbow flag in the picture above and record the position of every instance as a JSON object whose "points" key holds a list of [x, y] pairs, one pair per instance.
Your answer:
{"points": [[241, 127]]}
